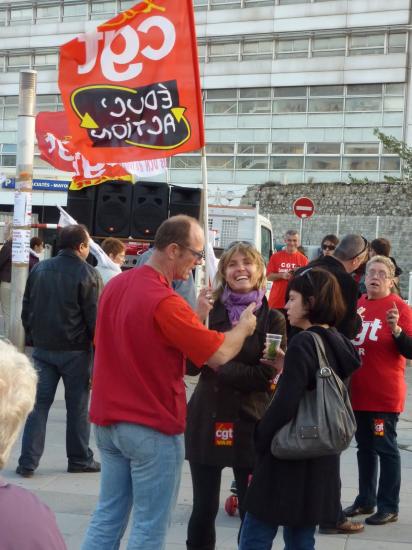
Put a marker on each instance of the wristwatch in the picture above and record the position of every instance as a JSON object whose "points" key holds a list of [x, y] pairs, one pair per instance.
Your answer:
{"points": [[397, 333]]}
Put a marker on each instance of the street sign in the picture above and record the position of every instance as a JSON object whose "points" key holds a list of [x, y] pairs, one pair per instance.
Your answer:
{"points": [[303, 207]]}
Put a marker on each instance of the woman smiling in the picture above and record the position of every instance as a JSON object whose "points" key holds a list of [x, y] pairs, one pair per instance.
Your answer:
{"points": [[226, 404]]}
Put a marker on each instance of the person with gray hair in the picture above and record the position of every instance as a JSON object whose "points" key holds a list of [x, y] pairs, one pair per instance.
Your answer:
{"points": [[25, 522]]}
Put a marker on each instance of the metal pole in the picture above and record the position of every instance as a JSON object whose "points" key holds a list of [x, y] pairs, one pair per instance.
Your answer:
{"points": [[377, 227], [22, 202], [301, 230], [337, 225], [410, 289]]}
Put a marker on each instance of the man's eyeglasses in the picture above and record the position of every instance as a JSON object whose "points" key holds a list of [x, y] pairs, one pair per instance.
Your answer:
{"points": [[328, 247], [198, 255], [364, 249]]}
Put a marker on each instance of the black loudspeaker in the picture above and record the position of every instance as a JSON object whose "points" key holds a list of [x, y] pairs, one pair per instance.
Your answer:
{"points": [[113, 204], [150, 208], [81, 204], [185, 200]]}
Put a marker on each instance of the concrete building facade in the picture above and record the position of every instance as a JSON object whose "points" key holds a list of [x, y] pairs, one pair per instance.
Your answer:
{"points": [[293, 89]]}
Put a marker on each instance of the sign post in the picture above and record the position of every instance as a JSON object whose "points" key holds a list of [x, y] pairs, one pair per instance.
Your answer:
{"points": [[22, 203], [303, 207]]}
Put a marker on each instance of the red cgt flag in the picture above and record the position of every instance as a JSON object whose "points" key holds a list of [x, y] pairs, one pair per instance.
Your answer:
{"points": [[131, 88], [53, 139]]}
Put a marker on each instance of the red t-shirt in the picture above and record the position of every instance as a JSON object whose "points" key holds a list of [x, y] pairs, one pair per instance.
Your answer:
{"points": [[379, 385], [144, 331], [181, 327], [282, 262]]}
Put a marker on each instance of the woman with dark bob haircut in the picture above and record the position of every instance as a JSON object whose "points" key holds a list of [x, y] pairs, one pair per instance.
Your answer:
{"points": [[298, 494]]}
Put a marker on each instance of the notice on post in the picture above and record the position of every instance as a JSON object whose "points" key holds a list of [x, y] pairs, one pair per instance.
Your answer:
{"points": [[21, 246], [22, 209]]}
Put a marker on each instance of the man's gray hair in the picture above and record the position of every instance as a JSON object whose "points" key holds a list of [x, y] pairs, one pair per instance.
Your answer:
{"points": [[350, 247], [18, 381], [291, 232]]}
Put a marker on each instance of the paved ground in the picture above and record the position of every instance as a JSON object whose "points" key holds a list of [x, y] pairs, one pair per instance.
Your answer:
{"points": [[73, 496]]}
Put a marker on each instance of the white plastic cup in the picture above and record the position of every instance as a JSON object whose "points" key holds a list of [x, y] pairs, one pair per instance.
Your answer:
{"points": [[272, 345]]}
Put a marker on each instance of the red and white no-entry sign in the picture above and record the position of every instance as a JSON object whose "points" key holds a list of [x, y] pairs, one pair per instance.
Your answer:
{"points": [[303, 207]]}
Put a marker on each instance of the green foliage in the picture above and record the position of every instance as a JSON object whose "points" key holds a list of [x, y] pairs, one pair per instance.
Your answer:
{"points": [[396, 147]]}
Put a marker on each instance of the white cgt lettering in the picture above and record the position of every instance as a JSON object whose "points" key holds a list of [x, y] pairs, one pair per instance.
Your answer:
{"points": [[111, 62]]}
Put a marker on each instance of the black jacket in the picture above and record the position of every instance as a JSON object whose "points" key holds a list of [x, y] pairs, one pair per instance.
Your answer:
{"points": [[5, 261], [351, 324], [238, 393], [298, 493], [60, 302]]}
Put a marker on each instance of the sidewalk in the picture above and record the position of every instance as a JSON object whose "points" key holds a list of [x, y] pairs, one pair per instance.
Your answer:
{"points": [[73, 496]]}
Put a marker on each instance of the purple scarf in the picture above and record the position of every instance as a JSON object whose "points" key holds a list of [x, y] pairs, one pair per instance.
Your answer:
{"points": [[235, 302]]}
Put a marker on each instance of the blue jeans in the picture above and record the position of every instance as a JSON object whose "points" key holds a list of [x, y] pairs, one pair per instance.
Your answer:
{"points": [[74, 368], [374, 445], [258, 535], [141, 470]]}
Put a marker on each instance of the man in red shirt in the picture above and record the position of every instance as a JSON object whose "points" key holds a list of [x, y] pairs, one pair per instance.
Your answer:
{"points": [[281, 266], [144, 333], [378, 391]]}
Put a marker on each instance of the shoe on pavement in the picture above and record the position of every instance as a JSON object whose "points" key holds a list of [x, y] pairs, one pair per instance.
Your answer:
{"points": [[348, 527], [380, 518], [24, 472], [355, 510], [91, 468]]}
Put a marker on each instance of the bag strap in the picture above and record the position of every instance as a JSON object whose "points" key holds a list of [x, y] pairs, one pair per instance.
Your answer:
{"points": [[323, 361]]}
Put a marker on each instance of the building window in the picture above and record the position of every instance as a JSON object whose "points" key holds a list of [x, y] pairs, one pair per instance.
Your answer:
{"points": [[328, 46], [185, 162], [364, 104], [220, 148], [397, 42], [252, 148], [286, 163], [322, 163], [220, 163], [281, 106], [367, 44], [325, 105], [252, 163], [287, 148], [221, 108], [19, 16], [361, 148], [224, 52], [51, 13], [258, 50], [254, 107], [360, 163], [323, 148], [292, 48]]}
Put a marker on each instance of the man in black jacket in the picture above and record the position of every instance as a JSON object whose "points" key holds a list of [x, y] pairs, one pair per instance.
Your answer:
{"points": [[351, 252], [59, 315]]}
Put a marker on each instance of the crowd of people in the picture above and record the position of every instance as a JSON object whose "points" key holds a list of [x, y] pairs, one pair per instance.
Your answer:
{"points": [[242, 398]]}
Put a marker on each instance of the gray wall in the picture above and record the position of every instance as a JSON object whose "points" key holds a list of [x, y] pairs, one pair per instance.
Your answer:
{"points": [[373, 209]]}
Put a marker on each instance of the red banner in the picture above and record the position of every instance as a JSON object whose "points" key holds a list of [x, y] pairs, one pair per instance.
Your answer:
{"points": [[131, 88], [54, 142]]}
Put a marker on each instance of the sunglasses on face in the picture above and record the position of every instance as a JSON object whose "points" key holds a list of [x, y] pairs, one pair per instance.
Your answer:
{"points": [[328, 247]]}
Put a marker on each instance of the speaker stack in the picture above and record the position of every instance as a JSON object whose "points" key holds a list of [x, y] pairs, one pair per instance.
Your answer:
{"points": [[119, 209]]}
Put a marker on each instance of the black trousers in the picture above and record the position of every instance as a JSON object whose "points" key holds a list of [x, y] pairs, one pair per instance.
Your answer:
{"points": [[201, 533]]}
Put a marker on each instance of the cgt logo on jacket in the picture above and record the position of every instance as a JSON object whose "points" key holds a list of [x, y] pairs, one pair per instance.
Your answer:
{"points": [[224, 434]]}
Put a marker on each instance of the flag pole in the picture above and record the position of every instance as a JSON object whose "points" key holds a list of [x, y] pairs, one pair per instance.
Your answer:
{"points": [[205, 214]]}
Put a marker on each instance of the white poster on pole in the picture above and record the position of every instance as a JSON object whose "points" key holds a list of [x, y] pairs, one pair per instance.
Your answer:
{"points": [[22, 209], [21, 246]]}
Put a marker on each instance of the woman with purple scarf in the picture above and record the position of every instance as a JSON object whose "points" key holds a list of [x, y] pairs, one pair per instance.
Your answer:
{"points": [[227, 404]]}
